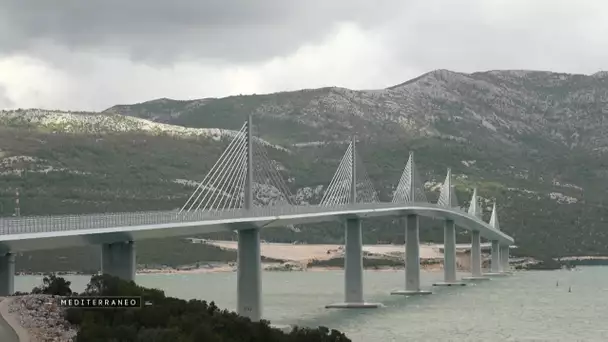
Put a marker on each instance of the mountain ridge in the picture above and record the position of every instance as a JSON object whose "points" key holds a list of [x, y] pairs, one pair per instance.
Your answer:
{"points": [[521, 72], [402, 106]]}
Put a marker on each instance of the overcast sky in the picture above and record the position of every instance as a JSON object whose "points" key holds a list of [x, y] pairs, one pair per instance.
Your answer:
{"points": [[90, 55]]}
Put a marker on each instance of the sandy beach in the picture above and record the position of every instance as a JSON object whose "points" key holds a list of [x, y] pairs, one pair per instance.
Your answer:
{"points": [[297, 256], [286, 251]]}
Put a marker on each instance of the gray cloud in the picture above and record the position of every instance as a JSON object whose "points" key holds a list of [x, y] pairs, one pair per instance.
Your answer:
{"points": [[92, 54], [161, 31], [471, 36]]}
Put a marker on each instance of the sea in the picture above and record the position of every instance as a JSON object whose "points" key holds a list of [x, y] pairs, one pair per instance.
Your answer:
{"points": [[526, 306]]}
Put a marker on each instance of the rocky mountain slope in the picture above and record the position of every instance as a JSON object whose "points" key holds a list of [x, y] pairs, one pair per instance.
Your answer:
{"points": [[535, 141], [506, 107]]}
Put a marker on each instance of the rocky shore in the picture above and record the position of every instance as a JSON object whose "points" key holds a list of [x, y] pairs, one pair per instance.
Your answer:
{"points": [[42, 318]]}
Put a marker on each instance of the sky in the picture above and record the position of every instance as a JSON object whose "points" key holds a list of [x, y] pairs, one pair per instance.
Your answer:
{"points": [[90, 55]]}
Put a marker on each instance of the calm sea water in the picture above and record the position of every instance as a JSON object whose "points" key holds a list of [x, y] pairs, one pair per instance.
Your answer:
{"points": [[527, 306]]}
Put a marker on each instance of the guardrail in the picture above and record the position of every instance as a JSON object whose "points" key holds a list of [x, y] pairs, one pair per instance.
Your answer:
{"points": [[45, 224]]}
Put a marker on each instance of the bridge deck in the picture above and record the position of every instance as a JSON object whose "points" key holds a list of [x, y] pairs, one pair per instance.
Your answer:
{"points": [[32, 233]]}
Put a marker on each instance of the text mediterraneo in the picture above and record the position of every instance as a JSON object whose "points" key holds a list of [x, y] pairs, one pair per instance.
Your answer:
{"points": [[102, 302]]}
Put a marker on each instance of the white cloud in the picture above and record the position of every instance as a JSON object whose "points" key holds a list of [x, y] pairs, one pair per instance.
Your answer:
{"points": [[31, 83], [347, 54]]}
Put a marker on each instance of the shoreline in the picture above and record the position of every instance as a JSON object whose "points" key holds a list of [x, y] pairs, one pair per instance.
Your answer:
{"points": [[384, 265], [266, 267], [271, 267], [287, 257]]}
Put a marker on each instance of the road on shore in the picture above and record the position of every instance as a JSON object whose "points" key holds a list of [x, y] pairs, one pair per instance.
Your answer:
{"points": [[7, 334]]}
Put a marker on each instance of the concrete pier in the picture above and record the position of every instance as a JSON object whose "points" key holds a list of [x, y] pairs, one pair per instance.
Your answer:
{"points": [[7, 274], [495, 263], [118, 259], [504, 258], [412, 258], [249, 275], [449, 256], [353, 269], [475, 257]]}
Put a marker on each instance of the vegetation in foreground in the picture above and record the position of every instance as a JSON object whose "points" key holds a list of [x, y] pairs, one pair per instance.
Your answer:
{"points": [[168, 319]]}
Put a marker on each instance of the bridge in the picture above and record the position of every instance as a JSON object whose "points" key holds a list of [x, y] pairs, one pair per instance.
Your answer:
{"points": [[245, 192]]}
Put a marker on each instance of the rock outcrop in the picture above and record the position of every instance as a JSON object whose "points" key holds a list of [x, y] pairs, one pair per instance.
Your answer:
{"points": [[43, 318]]}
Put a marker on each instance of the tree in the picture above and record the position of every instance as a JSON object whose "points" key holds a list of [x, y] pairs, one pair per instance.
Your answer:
{"points": [[175, 320], [54, 285]]}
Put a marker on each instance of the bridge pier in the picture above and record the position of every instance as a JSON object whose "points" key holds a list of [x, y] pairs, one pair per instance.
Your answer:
{"points": [[495, 262], [476, 257], [412, 257], [249, 275], [504, 258], [449, 256], [353, 269], [118, 260], [7, 274]]}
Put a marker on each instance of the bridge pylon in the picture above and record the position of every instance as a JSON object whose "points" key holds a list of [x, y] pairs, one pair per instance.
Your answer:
{"points": [[474, 207], [476, 270], [351, 183], [494, 218], [410, 190], [243, 178], [447, 198]]}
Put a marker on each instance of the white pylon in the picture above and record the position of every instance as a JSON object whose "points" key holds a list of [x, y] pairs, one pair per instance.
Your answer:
{"points": [[474, 207], [494, 218], [447, 197]]}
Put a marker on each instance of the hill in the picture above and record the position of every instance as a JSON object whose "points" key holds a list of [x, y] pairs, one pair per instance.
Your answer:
{"points": [[533, 140]]}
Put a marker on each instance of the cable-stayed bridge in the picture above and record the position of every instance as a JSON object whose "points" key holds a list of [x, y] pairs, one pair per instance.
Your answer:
{"points": [[245, 191]]}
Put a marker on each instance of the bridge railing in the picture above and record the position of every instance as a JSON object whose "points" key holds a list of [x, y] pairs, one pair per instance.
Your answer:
{"points": [[43, 224]]}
